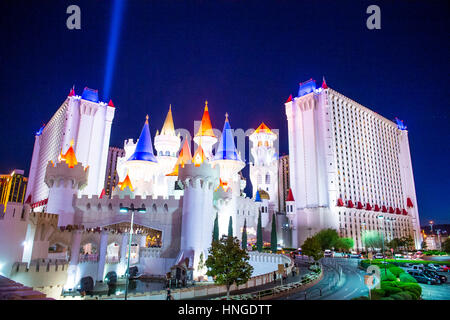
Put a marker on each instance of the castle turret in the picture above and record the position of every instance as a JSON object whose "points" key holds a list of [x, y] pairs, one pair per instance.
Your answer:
{"points": [[167, 144], [199, 181], [205, 135], [142, 166], [64, 179], [264, 170], [230, 163]]}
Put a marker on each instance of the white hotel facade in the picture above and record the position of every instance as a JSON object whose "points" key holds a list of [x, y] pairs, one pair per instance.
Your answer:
{"points": [[350, 169], [87, 122]]}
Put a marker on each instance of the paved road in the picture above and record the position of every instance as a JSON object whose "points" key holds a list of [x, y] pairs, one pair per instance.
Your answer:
{"points": [[435, 291], [333, 286]]}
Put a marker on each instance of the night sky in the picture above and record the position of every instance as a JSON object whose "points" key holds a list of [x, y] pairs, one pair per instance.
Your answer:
{"points": [[244, 57]]}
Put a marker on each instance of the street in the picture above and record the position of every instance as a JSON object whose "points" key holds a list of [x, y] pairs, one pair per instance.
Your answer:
{"points": [[334, 287]]}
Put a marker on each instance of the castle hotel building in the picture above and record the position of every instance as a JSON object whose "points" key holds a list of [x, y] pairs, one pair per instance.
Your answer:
{"points": [[350, 169]]}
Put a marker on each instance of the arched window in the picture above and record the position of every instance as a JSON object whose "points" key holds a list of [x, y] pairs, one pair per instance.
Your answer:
{"points": [[267, 178], [266, 143]]}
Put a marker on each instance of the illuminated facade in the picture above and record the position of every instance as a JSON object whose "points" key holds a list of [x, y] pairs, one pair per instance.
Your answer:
{"points": [[349, 167], [83, 119], [283, 181], [12, 187], [111, 176]]}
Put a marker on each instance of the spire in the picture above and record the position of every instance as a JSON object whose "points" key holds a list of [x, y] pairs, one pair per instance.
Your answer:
{"points": [[324, 83], [183, 158], [125, 183], [168, 127], [226, 149], [257, 197], [289, 99], [111, 104], [69, 157], [144, 149], [290, 196], [263, 128], [72, 92], [205, 126], [199, 156]]}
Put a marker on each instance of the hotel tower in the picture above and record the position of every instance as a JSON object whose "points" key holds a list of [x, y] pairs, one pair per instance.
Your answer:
{"points": [[350, 169]]}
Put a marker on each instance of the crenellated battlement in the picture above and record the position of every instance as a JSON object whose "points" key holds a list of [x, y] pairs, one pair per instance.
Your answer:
{"points": [[60, 175], [40, 274]]}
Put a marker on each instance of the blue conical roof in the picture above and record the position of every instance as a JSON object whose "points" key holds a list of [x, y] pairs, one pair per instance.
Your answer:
{"points": [[144, 149], [226, 149], [257, 197]]}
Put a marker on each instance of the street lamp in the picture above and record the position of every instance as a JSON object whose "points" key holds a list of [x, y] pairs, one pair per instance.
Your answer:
{"points": [[431, 226], [384, 257], [126, 210]]}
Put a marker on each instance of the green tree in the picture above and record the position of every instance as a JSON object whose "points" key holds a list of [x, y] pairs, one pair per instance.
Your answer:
{"points": [[344, 244], [244, 235], [373, 239], [259, 239], [409, 242], [216, 228], [446, 246], [228, 264], [327, 238], [424, 245], [230, 227], [273, 235], [312, 248], [394, 244]]}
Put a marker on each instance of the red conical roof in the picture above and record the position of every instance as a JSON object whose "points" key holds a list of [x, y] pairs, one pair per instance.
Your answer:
{"points": [[324, 84], [289, 99], [111, 104], [290, 196], [72, 92]]}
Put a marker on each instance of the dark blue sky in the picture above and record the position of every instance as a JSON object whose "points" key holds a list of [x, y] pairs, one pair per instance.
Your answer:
{"points": [[245, 57]]}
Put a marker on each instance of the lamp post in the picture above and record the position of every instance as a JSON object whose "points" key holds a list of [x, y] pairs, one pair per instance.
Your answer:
{"points": [[431, 226], [384, 257], [363, 235], [126, 210]]}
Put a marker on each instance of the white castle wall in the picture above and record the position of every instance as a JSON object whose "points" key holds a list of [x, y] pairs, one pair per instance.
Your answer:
{"points": [[13, 228]]}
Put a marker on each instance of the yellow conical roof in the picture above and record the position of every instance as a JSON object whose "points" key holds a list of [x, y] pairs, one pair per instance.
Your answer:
{"points": [[205, 127], [183, 158], [168, 127], [69, 157], [263, 128], [199, 156], [125, 183]]}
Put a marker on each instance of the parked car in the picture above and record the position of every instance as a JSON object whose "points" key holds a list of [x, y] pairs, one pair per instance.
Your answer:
{"points": [[328, 253], [434, 274], [432, 267], [378, 255], [422, 278], [417, 267], [355, 255], [444, 268]]}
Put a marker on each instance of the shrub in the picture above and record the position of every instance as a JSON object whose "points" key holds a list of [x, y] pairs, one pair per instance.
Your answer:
{"points": [[377, 294], [391, 290], [402, 296], [411, 287], [405, 277], [387, 275], [396, 271]]}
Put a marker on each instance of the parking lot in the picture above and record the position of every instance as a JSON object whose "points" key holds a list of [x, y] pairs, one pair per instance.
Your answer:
{"points": [[436, 292]]}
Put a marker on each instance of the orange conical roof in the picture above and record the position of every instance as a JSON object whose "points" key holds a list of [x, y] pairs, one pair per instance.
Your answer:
{"points": [[199, 156], [223, 185], [125, 183], [168, 127], [183, 158], [263, 128], [205, 127], [69, 157]]}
